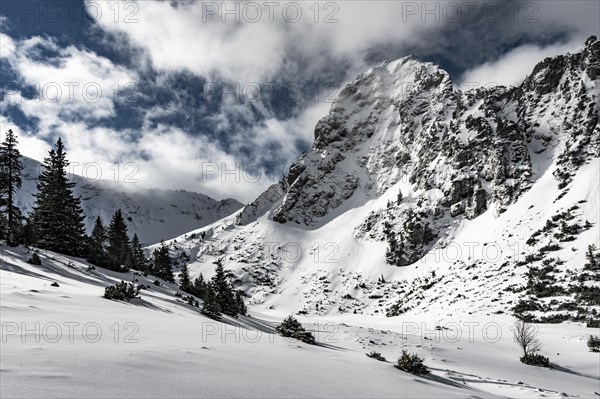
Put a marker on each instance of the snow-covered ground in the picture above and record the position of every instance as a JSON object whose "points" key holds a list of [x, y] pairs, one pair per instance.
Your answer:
{"points": [[68, 341]]}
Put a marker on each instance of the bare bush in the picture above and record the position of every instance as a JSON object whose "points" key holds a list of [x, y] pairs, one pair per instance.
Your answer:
{"points": [[525, 335]]}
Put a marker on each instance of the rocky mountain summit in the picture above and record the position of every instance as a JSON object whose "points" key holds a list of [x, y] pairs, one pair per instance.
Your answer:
{"points": [[468, 150], [405, 118], [409, 170]]}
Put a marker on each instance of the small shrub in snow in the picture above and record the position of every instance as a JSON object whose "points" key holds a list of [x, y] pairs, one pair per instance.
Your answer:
{"points": [[376, 356], [34, 260], [593, 323], [121, 291], [411, 363], [396, 309], [594, 343], [304, 336], [534, 359], [290, 327]]}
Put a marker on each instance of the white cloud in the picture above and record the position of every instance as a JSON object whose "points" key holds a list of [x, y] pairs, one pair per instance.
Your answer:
{"points": [[288, 132], [176, 38], [578, 17], [164, 157], [74, 83], [30, 145], [7, 46], [185, 35]]}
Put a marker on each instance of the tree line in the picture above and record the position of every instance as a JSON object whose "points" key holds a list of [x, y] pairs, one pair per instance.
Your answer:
{"points": [[56, 223]]}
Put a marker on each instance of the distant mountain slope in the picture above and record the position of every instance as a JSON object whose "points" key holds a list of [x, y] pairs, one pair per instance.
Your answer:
{"points": [[151, 213]]}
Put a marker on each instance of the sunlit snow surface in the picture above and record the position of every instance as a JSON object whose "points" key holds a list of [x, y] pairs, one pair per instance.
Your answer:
{"points": [[68, 341]]}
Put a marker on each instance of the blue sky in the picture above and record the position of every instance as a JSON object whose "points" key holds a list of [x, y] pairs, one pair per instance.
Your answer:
{"points": [[220, 97]]}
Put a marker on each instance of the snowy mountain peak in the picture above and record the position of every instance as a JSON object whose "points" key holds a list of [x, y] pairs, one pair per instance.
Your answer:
{"points": [[404, 120]]}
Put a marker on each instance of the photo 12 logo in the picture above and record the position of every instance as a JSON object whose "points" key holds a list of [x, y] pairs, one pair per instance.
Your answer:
{"points": [[69, 331], [454, 332], [469, 11], [270, 12], [288, 251], [70, 92], [324, 333], [71, 11]]}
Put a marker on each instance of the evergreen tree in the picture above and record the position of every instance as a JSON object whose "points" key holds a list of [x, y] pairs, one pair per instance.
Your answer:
{"points": [[411, 363], [10, 180], [162, 263], [28, 232], [400, 197], [224, 291], [18, 230], [118, 242], [290, 327], [211, 306], [57, 215], [239, 301], [137, 260], [185, 283], [199, 287], [593, 260], [3, 221], [97, 245]]}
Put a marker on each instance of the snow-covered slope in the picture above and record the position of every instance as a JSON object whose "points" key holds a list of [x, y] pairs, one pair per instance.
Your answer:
{"points": [[479, 171], [151, 213], [64, 340]]}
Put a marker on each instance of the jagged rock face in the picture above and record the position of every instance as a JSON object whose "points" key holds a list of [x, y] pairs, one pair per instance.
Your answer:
{"points": [[262, 204], [570, 109], [406, 120], [353, 139]]}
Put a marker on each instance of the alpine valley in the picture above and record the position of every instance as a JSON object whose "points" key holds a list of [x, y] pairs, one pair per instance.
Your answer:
{"points": [[425, 218]]}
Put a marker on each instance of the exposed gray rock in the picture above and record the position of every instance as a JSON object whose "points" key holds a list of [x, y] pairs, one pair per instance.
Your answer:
{"points": [[262, 204], [405, 119]]}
